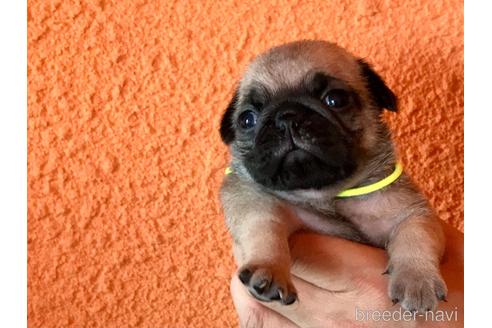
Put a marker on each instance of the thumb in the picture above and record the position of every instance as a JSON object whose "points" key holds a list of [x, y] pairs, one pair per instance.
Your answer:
{"points": [[334, 264], [332, 277]]}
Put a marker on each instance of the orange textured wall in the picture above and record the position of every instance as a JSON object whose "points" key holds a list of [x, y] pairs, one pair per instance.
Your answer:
{"points": [[124, 102]]}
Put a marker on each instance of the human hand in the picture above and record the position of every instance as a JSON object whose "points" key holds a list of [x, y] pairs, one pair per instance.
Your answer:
{"points": [[340, 284]]}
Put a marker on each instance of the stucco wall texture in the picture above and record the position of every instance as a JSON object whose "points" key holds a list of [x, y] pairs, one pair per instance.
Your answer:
{"points": [[125, 160]]}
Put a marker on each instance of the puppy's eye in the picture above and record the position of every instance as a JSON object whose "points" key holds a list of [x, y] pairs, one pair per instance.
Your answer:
{"points": [[337, 98], [247, 119]]}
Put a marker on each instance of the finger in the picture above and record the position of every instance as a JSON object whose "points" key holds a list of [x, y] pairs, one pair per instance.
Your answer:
{"points": [[332, 263], [252, 313], [315, 306], [331, 284]]}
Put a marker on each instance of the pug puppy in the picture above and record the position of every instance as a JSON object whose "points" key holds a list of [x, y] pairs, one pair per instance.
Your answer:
{"points": [[304, 125]]}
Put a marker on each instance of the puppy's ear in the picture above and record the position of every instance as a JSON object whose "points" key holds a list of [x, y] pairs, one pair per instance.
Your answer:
{"points": [[226, 127], [381, 94]]}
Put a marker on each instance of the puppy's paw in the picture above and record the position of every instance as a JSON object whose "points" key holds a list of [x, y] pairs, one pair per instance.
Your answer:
{"points": [[268, 284], [416, 289]]}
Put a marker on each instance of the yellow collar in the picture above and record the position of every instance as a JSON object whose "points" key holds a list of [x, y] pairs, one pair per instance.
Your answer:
{"points": [[373, 186], [365, 189]]}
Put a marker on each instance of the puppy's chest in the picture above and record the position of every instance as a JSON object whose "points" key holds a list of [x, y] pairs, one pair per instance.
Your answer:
{"points": [[341, 218]]}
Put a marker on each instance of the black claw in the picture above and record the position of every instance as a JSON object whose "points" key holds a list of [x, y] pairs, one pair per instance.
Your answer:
{"points": [[395, 300], [277, 295], [386, 272], [291, 298], [260, 288], [245, 276]]}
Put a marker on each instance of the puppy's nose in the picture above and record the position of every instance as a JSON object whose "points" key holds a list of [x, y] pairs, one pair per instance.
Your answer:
{"points": [[287, 118]]}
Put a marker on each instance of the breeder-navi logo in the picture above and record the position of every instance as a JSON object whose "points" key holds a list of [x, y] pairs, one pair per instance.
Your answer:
{"points": [[401, 315]]}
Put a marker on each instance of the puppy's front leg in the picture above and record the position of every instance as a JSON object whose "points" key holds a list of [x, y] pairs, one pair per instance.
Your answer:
{"points": [[415, 251], [260, 229]]}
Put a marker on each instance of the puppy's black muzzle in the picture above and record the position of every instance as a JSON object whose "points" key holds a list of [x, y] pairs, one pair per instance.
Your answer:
{"points": [[289, 117], [301, 122], [299, 144], [292, 112]]}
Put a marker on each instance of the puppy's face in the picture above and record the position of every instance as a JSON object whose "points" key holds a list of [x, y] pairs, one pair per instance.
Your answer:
{"points": [[305, 115]]}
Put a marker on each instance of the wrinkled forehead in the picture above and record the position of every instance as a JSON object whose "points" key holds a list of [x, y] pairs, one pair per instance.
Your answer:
{"points": [[289, 66]]}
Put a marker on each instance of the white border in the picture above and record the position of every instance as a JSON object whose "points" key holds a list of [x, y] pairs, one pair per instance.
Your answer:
{"points": [[13, 179], [13, 197], [478, 162]]}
